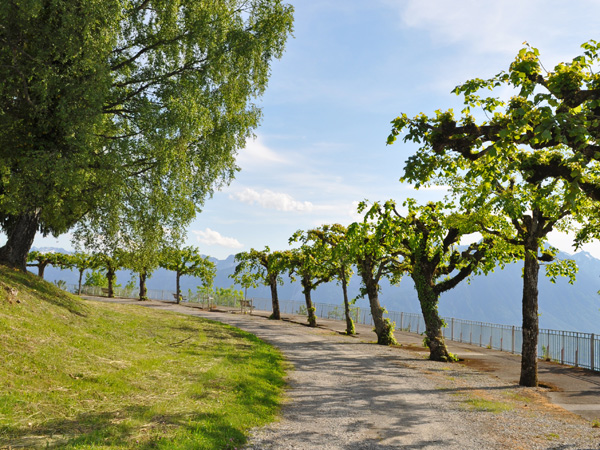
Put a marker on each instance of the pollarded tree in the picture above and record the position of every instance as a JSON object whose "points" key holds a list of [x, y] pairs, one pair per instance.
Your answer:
{"points": [[334, 238], [82, 261], [429, 236], [508, 160], [110, 263], [374, 250], [188, 261], [312, 264], [43, 259], [262, 267], [104, 98]]}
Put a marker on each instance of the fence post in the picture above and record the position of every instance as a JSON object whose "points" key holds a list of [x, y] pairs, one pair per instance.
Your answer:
{"points": [[592, 356], [513, 341], [562, 349], [401, 321], [452, 330]]}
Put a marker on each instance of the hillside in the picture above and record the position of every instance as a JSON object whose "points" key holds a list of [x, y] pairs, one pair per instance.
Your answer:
{"points": [[80, 374], [495, 298]]}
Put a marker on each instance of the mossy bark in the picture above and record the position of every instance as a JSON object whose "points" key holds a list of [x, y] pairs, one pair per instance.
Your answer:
{"points": [[383, 327], [429, 300], [178, 287], [350, 330], [310, 309]]}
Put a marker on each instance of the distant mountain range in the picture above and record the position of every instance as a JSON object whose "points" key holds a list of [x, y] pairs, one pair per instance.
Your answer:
{"points": [[495, 298]]}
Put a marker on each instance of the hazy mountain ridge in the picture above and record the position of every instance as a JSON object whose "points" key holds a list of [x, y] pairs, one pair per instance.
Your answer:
{"points": [[495, 298]]}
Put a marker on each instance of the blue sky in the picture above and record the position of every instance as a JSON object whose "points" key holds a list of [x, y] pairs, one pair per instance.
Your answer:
{"points": [[351, 67]]}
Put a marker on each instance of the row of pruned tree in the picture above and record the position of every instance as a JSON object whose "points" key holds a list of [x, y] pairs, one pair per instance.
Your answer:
{"points": [[182, 261], [515, 171]]}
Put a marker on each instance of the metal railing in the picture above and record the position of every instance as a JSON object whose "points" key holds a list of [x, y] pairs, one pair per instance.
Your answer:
{"points": [[565, 347]]}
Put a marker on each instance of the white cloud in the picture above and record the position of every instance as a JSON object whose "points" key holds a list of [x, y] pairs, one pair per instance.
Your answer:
{"points": [[211, 237], [498, 27], [271, 200], [256, 152]]}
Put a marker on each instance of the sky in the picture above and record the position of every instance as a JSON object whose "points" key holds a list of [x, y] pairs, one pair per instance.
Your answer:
{"points": [[351, 67]]}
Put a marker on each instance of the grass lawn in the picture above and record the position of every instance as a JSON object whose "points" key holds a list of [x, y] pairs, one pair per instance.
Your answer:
{"points": [[85, 375]]}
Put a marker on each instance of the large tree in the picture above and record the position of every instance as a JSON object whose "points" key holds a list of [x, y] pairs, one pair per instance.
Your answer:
{"points": [[43, 259], [262, 267], [110, 263], [512, 158], [333, 237], [428, 245], [82, 261], [114, 101], [311, 262], [374, 250], [188, 261]]}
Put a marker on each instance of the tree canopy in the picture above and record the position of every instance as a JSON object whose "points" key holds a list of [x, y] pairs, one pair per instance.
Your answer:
{"points": [[188, 261], [262, 267], [125, 104], [516, 158]]}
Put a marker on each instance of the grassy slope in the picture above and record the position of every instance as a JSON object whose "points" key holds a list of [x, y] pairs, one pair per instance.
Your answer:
{"points": [[86, 375]]}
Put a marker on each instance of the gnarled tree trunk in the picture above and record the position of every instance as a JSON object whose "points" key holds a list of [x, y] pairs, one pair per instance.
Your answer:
{"points": [[143, 290], [20, 235], [429, 300], [310, 309], [383, 327], [349, 323]]}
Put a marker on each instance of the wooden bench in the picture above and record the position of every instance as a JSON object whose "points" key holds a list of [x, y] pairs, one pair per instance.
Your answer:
{"points": [[183, 298], [104, 291], [246, 305]]}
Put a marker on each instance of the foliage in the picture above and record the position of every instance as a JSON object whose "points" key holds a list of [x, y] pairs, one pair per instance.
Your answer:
{"points": [[262, 267], [219, 296], [112, 108], [333, 237], [426, 240], [374, 250], [96, 278], [111, 376], [312, 263], [61, 284], [188, 261], [534, 159], [43, 259]]}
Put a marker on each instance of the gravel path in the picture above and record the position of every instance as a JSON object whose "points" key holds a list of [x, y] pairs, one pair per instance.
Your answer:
{"points": [[345, 393]]}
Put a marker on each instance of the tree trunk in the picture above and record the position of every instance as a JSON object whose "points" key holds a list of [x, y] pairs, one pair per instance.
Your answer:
{"points": [[80, 278], [349, 323], [20, 235], [110, 275], [429, 300], [178, 290], [275, 300], [529, 356], [310, 309], [143, 290], [383, 327], [41, 269]]}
